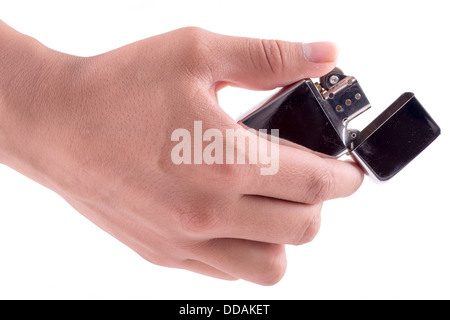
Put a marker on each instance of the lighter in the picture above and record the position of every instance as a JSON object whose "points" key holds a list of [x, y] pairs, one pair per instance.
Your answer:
{"points": [[316, 116]]}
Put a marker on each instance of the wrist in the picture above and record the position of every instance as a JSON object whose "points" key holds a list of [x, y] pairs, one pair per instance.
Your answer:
{"points": [[33, 83]]}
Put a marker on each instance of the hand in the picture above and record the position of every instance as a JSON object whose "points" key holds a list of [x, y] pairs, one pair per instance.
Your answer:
{"points": [[97, 131]]}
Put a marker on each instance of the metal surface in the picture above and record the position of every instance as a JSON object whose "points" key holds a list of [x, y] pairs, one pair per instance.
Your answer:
{"points": [[341, 105], [317, 116], [396, 137], [297, 112]]}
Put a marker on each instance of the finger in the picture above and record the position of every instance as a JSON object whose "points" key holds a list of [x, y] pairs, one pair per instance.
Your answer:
{"points": [[303, 177], [267, 220], [258, 262], [266, 64], [202, 268], [275, 221]]}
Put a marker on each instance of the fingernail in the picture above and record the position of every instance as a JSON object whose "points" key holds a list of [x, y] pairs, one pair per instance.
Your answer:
{"points": [[320, 52]]}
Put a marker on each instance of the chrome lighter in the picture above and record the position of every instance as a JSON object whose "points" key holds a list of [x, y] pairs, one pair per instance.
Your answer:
{"points": [[316, 116]]}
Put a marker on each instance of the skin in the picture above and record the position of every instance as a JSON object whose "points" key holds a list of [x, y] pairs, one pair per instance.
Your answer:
{"points": [[97, 130]]}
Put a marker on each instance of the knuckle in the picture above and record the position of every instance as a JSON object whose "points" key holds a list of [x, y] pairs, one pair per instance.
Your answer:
{"points": [[310, 227], [194, 45], [193, 35], [275, 268], [198, 221], [270, 52], [320, 185]]}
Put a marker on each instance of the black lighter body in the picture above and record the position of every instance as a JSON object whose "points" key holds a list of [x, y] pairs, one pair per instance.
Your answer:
{"points": [[316, 116]]}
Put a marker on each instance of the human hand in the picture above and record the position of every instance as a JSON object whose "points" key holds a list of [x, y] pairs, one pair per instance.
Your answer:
{"points": [[98, 132]]}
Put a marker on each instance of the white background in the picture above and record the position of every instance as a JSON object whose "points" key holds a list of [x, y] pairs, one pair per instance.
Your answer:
{"points": [[388, 241]]}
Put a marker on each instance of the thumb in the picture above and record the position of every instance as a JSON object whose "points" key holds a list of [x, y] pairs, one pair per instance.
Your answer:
{"points": [[266, 64]]}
